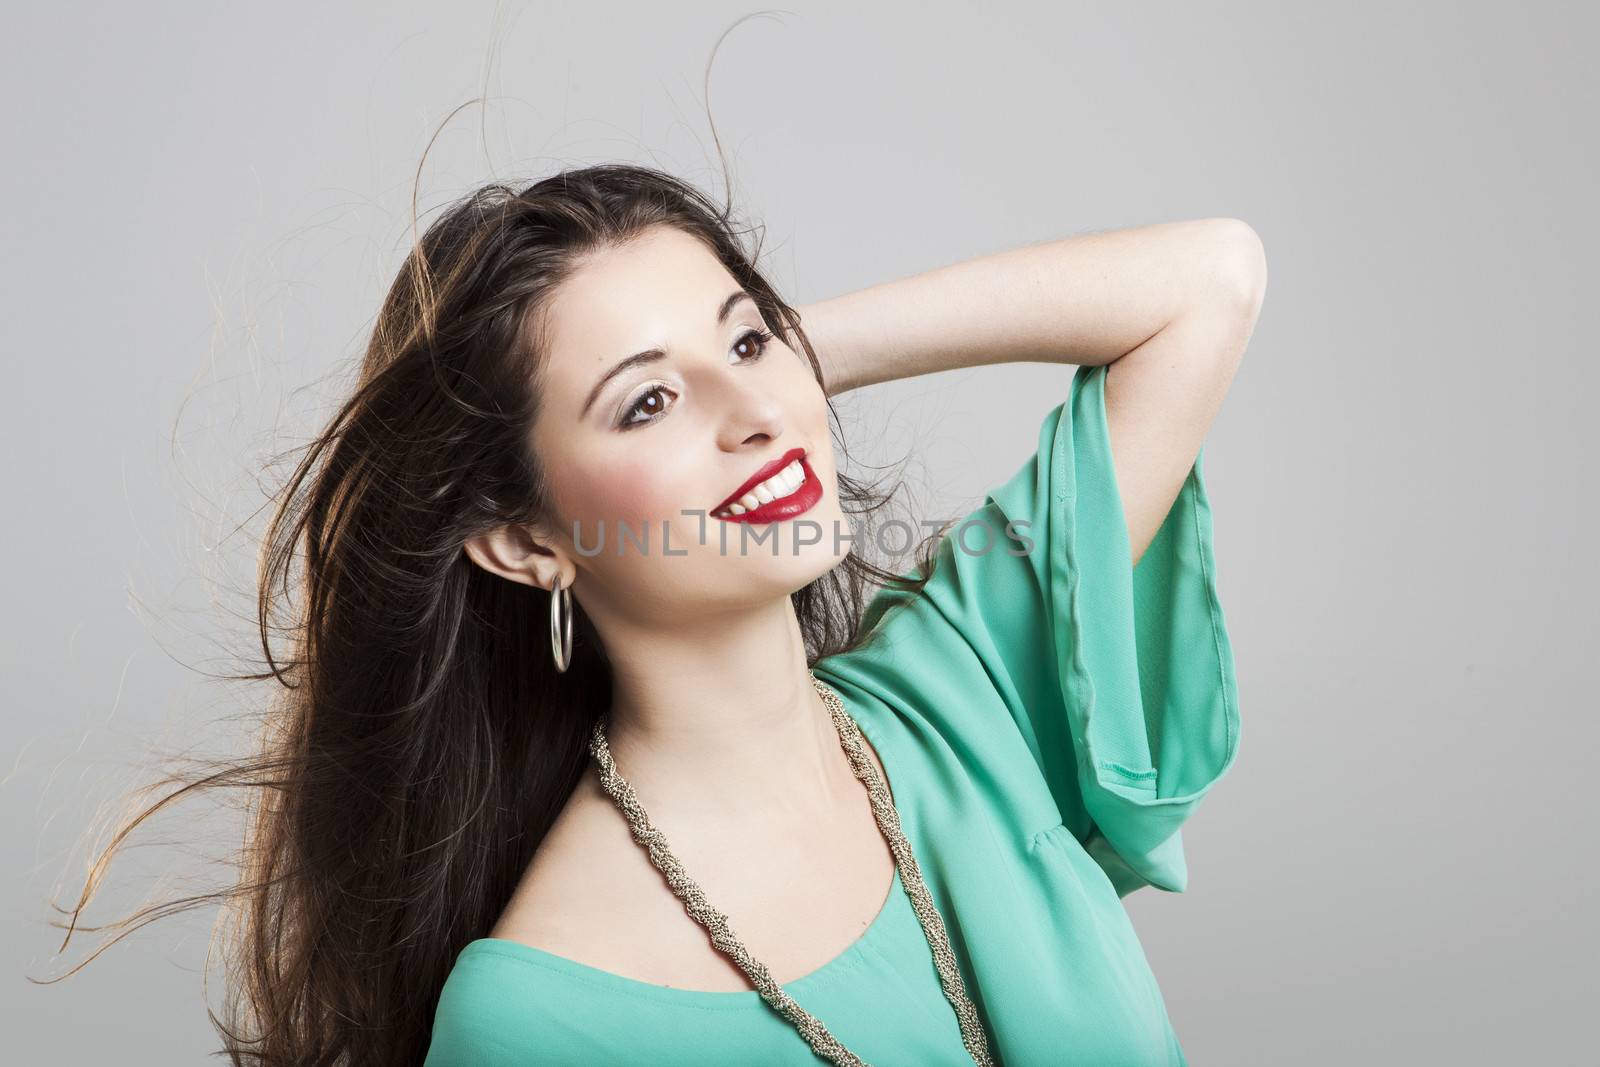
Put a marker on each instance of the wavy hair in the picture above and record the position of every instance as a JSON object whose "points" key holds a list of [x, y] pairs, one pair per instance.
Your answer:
{"points": [[413, 754]]}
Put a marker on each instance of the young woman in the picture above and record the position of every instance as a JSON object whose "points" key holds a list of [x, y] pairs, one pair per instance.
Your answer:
{"points": [[604, 743]]}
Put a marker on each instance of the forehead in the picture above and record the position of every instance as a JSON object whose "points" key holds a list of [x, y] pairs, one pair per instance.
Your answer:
{"points": [[662, 285]]}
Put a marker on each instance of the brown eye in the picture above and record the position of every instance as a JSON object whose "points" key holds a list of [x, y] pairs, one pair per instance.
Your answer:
{"points": [[644, 406], [754, 342]]}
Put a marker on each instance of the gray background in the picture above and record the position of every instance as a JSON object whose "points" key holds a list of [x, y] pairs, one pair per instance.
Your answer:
{"points": [[205, 202]]}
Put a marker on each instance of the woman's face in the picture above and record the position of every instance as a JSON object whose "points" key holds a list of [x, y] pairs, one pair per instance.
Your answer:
{"points": [[633, 446]]}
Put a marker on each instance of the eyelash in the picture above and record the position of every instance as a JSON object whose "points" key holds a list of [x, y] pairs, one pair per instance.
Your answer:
{"points": [[763, 338]]}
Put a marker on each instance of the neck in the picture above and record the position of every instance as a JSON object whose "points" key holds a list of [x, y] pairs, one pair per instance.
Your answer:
{"points": [[719, 720]]}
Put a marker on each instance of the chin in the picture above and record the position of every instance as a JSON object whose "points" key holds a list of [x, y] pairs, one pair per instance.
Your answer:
{"points": [[789, 571]]}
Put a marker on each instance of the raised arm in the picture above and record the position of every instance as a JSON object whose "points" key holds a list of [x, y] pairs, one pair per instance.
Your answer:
{"points": [[1172, 305]]}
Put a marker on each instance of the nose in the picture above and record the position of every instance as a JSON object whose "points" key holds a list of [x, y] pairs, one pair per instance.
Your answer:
{"points": [[750, 410]]}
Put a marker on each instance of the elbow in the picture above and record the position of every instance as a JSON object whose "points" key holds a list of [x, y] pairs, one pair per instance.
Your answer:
{"points": [[1237, 274]]}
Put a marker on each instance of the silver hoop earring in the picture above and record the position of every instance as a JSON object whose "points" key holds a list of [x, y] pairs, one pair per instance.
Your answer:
{"points": [[561, 625]]}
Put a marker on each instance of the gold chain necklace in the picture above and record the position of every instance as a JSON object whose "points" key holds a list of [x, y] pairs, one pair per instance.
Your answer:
{"points": [[716, 923]]}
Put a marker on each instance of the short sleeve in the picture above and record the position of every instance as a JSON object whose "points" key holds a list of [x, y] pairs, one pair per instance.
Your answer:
{"points": [[1120, 679]]}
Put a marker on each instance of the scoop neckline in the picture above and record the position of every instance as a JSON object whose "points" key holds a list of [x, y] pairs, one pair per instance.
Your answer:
{"points": [[894, 900], [838, 965]]}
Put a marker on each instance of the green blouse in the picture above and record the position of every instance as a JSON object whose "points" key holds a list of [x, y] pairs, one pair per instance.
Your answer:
{"points": [[1048, 716]]}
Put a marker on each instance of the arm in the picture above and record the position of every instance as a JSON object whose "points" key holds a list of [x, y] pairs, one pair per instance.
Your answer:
{"points": [[1171, 304]]}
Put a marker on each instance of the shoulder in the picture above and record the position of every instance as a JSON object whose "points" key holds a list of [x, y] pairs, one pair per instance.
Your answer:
{"points": [[592, 895], [486, 1017], [564, 889], [499, 1003]]}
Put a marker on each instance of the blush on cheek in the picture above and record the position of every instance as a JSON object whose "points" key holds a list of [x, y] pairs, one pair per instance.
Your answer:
{"points": [[625, 492]]}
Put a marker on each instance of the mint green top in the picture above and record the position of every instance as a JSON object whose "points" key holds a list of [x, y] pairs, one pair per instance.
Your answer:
{"points": [[1048, 717]]}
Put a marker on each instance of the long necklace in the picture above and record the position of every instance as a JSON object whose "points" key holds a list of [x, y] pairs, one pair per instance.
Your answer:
{"points": [[716, 923]]}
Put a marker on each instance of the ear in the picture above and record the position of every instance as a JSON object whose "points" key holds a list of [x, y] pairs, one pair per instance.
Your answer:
{"points": [[521, 554]]}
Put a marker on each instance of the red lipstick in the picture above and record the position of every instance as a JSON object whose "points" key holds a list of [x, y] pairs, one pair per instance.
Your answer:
{"points": [[801, 499]]}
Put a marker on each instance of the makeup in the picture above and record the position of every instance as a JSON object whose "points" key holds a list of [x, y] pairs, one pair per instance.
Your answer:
{"points": [[778, 490]]}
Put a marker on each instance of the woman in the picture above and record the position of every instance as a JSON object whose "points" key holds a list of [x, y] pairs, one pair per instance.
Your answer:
{"points": [[596, 749], [1044, 719]]}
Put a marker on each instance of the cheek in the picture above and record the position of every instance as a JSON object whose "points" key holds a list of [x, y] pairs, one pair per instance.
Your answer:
{"points": [[627, 489]]}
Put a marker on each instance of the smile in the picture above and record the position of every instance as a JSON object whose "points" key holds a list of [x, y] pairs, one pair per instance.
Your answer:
{"points": [[771, 497]]}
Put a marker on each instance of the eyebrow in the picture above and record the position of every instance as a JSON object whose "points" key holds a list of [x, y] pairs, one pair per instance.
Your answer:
{"points": [[651, 355]]}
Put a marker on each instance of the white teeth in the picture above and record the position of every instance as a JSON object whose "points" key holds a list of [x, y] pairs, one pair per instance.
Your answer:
{"points": [[779, 485]]}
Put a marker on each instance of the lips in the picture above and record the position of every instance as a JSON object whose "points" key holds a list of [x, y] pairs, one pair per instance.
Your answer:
{"points": [[763, 472], [799, 500]]}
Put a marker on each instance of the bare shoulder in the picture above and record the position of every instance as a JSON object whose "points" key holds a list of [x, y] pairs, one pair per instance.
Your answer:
{"points": [[578, 876], [592, 895]]}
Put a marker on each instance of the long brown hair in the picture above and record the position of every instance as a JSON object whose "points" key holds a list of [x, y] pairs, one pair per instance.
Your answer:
{"points": [[420, 746]]}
